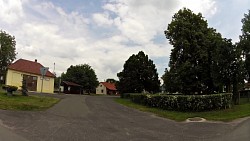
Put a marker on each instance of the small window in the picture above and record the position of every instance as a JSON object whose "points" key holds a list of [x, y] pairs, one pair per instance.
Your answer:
{"points": [[102, 91]]}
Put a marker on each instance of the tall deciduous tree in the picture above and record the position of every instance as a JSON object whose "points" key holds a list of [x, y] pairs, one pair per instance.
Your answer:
{"points": [[83, 75], [139, 73], [7, 52], [244, 43], [188, 33], [201, 60]]}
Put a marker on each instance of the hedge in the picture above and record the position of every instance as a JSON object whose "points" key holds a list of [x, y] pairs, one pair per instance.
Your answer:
{"points": [[185, 102], [127, 95]]}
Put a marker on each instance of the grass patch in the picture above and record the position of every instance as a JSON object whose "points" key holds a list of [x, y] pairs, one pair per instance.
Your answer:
{"points": [[26, 103], [237, 111]]}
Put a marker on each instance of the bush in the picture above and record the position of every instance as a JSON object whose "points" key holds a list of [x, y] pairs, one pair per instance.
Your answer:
{"points": [[9, 88], [185, 102], [127, 95]]}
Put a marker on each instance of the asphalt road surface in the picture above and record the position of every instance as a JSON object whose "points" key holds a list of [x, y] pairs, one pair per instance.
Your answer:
{"points": [[99, 118]]}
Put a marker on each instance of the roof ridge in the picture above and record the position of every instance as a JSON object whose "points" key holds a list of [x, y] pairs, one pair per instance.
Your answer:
{"points": [[29, 61]]}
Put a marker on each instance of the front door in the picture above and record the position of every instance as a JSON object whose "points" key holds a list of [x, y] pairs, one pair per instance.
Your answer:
{"points": [[31, 82]]}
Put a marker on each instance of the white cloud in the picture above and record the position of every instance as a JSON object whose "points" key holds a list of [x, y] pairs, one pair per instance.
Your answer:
{"points": [[102, 19], [141, 20], [104, 39], [10, 11], [207, 7]]}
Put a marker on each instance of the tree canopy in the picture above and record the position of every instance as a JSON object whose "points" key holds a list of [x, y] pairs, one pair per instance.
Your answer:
{"points": [[111, 80], [201, 61], [244, 43], [83, 75], [7, 52], [139, 73]]}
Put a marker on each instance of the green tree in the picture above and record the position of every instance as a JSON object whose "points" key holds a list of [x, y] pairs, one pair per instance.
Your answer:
{"points": [[83, 75], [191, 54], [139, 73], [201, 60], [170, 81], [244, 43], [57, 82], [7, 52], [111, 80]]}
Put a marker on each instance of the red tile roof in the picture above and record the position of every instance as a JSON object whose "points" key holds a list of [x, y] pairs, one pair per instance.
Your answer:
{"points": [[27, 66], [71, 83], [110, 86]]}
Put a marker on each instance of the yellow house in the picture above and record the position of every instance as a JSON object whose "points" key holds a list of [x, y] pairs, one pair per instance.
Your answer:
{"points": [[30, 72]]}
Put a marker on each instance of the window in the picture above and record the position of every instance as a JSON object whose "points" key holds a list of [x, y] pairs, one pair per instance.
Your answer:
{"points": [[102, 91], [34, 78]]}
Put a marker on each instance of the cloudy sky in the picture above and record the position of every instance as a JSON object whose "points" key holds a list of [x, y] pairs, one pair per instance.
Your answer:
{"points": [[104, 33]]}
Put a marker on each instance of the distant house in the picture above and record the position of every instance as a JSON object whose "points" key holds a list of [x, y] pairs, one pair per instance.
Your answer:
{"points": [[106, 88], [71, 88], [30, 72]]}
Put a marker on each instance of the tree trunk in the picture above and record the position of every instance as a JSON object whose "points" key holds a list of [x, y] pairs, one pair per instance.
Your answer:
{"points": [[235, 90]]}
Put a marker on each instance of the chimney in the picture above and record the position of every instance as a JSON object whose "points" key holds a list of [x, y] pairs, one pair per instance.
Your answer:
{"points": [[36, 60]]}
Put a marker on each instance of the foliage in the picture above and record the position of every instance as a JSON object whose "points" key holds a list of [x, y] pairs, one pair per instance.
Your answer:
{"points": [[185, 102], [201, 61], [83, 75], [111, 80], [57, 82], [139, 73], [9, 88], [127, 95], [237, 111], [30, 103], [7, 52], [244, 43], [189, 58]]}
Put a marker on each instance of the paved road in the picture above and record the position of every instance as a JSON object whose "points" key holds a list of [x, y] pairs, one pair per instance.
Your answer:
{"points": [[94, 118]]}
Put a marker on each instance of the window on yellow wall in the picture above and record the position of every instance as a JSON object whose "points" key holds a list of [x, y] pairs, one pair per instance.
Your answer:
{"points": [[34, 78]]}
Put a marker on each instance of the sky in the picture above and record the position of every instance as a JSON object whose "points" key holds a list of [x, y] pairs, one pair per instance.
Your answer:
{"points": [[105, 33]]}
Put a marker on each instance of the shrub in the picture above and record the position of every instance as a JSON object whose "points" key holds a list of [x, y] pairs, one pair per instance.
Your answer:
{"points": [[9, 88], [127, 95], [185, 102]]}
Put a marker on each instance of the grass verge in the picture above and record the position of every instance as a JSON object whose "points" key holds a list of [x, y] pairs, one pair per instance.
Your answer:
{"points": [[26, 103], [237, 111]]}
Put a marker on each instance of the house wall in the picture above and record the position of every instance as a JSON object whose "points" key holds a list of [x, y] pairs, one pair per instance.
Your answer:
{"points": [[101, 89], [15, 78]]}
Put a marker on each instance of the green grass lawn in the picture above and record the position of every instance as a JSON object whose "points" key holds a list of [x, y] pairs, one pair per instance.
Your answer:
{"points": [[237, 111], [25, 103]]}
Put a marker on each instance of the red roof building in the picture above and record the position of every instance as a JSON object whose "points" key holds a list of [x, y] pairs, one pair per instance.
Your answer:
{"points": [[28, 72], [27, 66], [106, 88], [71, 88]]}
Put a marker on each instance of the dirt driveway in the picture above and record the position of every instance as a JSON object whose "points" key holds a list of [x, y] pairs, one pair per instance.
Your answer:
{"points": [[98, 118]]}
